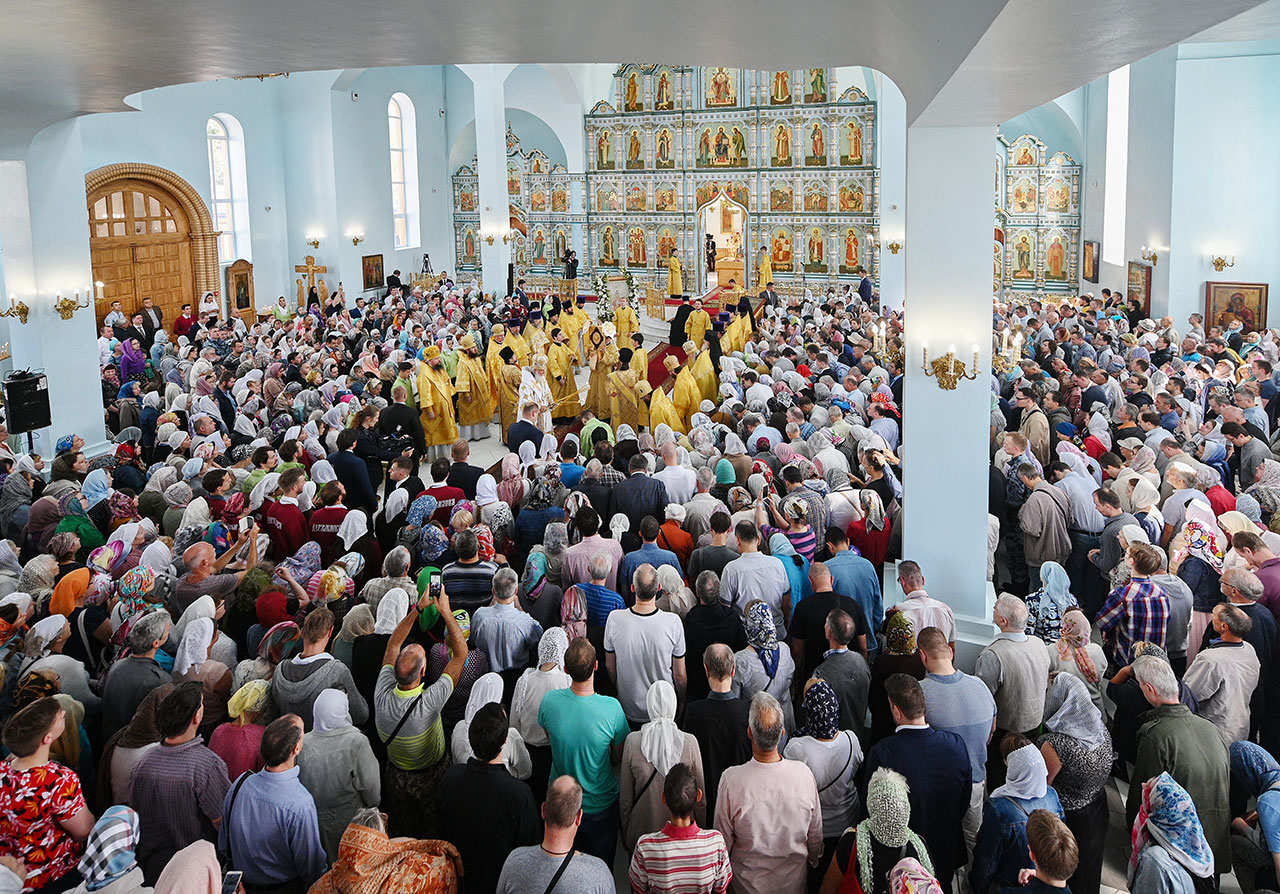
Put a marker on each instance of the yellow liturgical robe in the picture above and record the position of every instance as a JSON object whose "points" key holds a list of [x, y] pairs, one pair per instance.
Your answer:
{"points": [[662, 410], [624, 403], [627, 322], [686, 396], [675, 281], [705, 375], [697, 325], [537, 339], [435, 406], [765, 270], [564, 390], [493, 363], [602, 362], [571, 324], [640, 363], [521, 347], [508, 390], [475, 404]]}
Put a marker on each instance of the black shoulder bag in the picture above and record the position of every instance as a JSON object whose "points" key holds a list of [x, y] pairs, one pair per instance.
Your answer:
{"points": [[559, 872]]}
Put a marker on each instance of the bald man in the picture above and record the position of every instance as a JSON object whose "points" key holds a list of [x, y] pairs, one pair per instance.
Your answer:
{"points": [[205, 571]]}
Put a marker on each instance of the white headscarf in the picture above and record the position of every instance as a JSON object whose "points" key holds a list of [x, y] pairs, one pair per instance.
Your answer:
{"points": [[661, 741], [157, 557], [486, 490], [204, 607], [355, 524], [261, 489], [126, 534], [396, 502], [322, 472], [1026, 777], [331, 711], [486, 690], [392, 608], [193, 651]]}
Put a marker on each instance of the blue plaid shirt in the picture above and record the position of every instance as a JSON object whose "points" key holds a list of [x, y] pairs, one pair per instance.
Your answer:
{"points": [[1138, 612]]}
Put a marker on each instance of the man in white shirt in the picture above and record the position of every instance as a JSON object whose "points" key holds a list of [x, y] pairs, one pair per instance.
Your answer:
{"points": [[753, 575], [105, 337], [643, 644], [923, 610], [680, 482], [698, 509]]}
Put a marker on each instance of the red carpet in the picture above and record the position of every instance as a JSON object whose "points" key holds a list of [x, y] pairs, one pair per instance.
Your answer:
{"points": [[711, 302], [658, 374]]}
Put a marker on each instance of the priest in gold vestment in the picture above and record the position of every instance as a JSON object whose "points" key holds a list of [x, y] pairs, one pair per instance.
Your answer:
{"points": [[564, 390], [675, 280], [498, 339], [699, 362], [572, 321], [535, 333], [475, 403], [686, 395], [624, 400], [602, 357], [509, 376], [765, 268], [661, 409], [625, 321], [435, 403], [695, 328], [639, 356]]}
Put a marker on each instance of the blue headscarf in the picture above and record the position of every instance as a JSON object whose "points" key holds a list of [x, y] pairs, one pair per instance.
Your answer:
{"points": [[1057, 586], [96, 487], [111, 849], [763, 636], [821, 711], [1215, 457]]}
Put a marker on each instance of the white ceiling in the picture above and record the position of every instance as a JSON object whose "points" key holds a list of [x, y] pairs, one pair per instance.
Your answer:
{"points": [[956, 61]]}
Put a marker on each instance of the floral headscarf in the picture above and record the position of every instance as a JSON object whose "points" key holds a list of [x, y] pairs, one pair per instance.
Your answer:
{"points": [[821, 710], [433, 542], [1168, 817], [134, 589], [873, 508], [763, 636], [420, 510], [511, 487], [552, 646], [900, 635], [177, 495], [1073, 641], [122, 505], [302, 565], [279, 642], [534, 578], [1203, 538], [910, 877], [484, 538], [69, 505]]}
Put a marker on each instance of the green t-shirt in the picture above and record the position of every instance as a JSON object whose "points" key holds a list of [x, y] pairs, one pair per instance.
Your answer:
{"points": [[581, 729]]}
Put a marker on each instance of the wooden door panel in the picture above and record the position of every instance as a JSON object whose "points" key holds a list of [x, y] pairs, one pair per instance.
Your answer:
{"points": [[162, 271], [113, 266]]}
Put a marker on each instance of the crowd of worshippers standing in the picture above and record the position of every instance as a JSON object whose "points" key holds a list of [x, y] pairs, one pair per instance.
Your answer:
{"points": [[274, 635]]}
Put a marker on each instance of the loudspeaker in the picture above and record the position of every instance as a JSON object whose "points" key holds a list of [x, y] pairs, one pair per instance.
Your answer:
{"points": [[26, 399]]}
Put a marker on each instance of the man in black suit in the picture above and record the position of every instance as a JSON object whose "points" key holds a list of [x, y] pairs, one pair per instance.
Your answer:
{"points": [[638, 496], [393, 281], [678, 336], [571, 267], [524, 429], [400, 420], [520, 294], [462, 474], [134, 330], [152, 321], [711, 254]]}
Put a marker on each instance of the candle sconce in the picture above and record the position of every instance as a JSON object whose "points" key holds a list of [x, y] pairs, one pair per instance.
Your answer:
{"points": [[16, 308], [67, 307], [947, 369]]}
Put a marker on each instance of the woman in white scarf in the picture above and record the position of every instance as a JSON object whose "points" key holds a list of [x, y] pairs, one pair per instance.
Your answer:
{"points": [[533, 684], [355, 524], [488, 690], [493, 512], [392, 608], [337, 767], [224, 648], [647, 757]]}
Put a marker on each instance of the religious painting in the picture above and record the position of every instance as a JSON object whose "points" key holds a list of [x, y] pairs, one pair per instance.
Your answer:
{"points": [[780, 88], [780, 249], [664, 198], [539, 246], [467, 199], [704, 149], [240, 284], [538, 199], [727, 214], [1024, 196], [815, 147], [559, 200], [636, 256], [737, 147], [781, 197], [721, 87], [706, 192], [1055, 257], [1057, 196], [851, 256], [665, 149], [815, 197], [606, 198], [520, 253], [637, 197], [1140, 285], [1089, 261], [666, 242], [608, 248], [815, 256], [561, 244], [721, 149], [635, 151], [1229, 302], [1024, 256], [513, 179], [469, 246], [633, 93], [604, 151], [852, 198], [536, 165], [516, 221], [371, 265], [815, 85], [780, 143], [664, 92], [1026, 153], [850, 143], [738, 191]]}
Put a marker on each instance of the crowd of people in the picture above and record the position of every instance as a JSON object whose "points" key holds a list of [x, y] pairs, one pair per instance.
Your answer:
{"points": [[286, 628]]}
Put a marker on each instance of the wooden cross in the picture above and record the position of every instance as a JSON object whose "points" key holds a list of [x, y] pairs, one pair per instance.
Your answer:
{"points": [[310, 268]]}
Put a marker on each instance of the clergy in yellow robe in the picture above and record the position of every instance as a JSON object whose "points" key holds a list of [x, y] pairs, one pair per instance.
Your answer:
{"points": [[435, 400], [625, 321], [675, 281], [661, 409], [498, 339], [572, 321], [564, 390], [686, 396], [475, 404], [699, 362], [509, 376], [520, 346], [602, 357], [695, 328], [624, 400], [639, 357], [535, 334], [765, 269], [643, 391]]}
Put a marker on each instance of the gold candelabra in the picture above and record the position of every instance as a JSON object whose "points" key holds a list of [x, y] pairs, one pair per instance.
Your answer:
{"points": [[67, 307], [16, 308], [947, 369], [1220, 262]]}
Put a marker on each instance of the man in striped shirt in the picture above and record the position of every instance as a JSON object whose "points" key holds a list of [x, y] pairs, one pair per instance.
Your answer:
{"points": [[1138, 611], [682, 858]]}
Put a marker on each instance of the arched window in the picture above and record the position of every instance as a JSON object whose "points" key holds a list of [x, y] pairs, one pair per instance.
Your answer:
{"points": [[227, 186], [404, 171]]}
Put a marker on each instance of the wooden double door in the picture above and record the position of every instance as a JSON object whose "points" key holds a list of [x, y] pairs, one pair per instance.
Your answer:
{"points": [[140, 246]]}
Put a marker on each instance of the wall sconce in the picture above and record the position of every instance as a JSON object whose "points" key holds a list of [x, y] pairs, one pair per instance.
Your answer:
{"points": [[488, 240], [1220, 262], [67, 307], [313, 239], [947, 369], [1149, 254], [356, 238], [16, 308], [894, 247]]}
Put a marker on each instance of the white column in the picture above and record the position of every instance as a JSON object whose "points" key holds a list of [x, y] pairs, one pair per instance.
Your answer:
{"points": [[948, 301], [487, 82], [46, 236], [891, 146]]}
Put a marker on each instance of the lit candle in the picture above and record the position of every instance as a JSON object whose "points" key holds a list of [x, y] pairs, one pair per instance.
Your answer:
{"points": [[924, 346], [975, 358], [99, 285], [951, 359]]}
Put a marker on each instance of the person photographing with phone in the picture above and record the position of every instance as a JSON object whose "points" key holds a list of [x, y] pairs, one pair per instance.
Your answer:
{"points": [[407, 715]]}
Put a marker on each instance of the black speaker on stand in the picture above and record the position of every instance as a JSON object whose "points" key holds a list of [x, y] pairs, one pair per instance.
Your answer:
{"points": [[26, 399]]}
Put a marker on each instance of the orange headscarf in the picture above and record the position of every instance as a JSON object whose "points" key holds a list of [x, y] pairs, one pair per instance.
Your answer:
{"points": [[68, 591]]}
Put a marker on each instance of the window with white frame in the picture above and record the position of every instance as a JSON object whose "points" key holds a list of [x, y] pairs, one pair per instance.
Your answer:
{"points": [[227, 177], [402, 128]]}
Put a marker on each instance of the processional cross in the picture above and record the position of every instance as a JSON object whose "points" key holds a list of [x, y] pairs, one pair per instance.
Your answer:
{"points": [[310, 269]]}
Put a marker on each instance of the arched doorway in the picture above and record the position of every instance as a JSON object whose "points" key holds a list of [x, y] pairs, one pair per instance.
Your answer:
{"points": [[150, 235], [726, 221]]}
